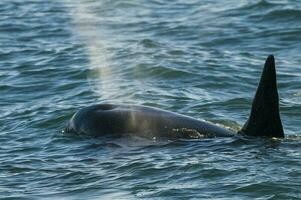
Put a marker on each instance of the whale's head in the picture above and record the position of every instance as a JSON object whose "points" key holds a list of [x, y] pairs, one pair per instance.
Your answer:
{"points": [[96, 120]]}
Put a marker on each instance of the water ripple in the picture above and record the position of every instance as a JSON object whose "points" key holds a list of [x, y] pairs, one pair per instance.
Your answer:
{"points": [[197, 58]]}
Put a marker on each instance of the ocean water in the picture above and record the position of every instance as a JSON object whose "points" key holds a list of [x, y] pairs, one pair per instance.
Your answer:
{"points": [[199, 58]]}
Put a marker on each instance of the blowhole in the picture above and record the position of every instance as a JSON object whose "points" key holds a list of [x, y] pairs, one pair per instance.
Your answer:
{"points": [[106, 107]]}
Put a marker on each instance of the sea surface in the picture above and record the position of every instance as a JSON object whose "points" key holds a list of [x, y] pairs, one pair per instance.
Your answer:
{"points": [[201, 58]]}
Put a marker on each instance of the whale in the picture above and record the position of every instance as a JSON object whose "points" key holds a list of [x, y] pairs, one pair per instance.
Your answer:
{"points": [[149, 122]]}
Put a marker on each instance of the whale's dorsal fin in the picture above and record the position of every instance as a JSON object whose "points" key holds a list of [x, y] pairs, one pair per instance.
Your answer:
{"points": [[264, 119]]}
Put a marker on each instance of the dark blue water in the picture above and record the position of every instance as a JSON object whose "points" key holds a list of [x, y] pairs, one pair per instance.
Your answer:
{"points": [[200, 58]]}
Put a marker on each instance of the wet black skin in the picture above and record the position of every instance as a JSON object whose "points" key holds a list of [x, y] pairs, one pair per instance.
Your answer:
{"points": [[144, 121]]}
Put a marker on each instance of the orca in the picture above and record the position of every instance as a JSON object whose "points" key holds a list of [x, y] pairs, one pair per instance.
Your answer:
{"points": [[149, 122]]}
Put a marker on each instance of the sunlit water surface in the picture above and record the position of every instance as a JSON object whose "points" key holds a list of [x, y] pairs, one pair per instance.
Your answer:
{"points": [[199, 58]]}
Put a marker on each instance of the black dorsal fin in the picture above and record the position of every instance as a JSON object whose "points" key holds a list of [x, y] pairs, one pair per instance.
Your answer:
{"points": [[264, 119]]}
